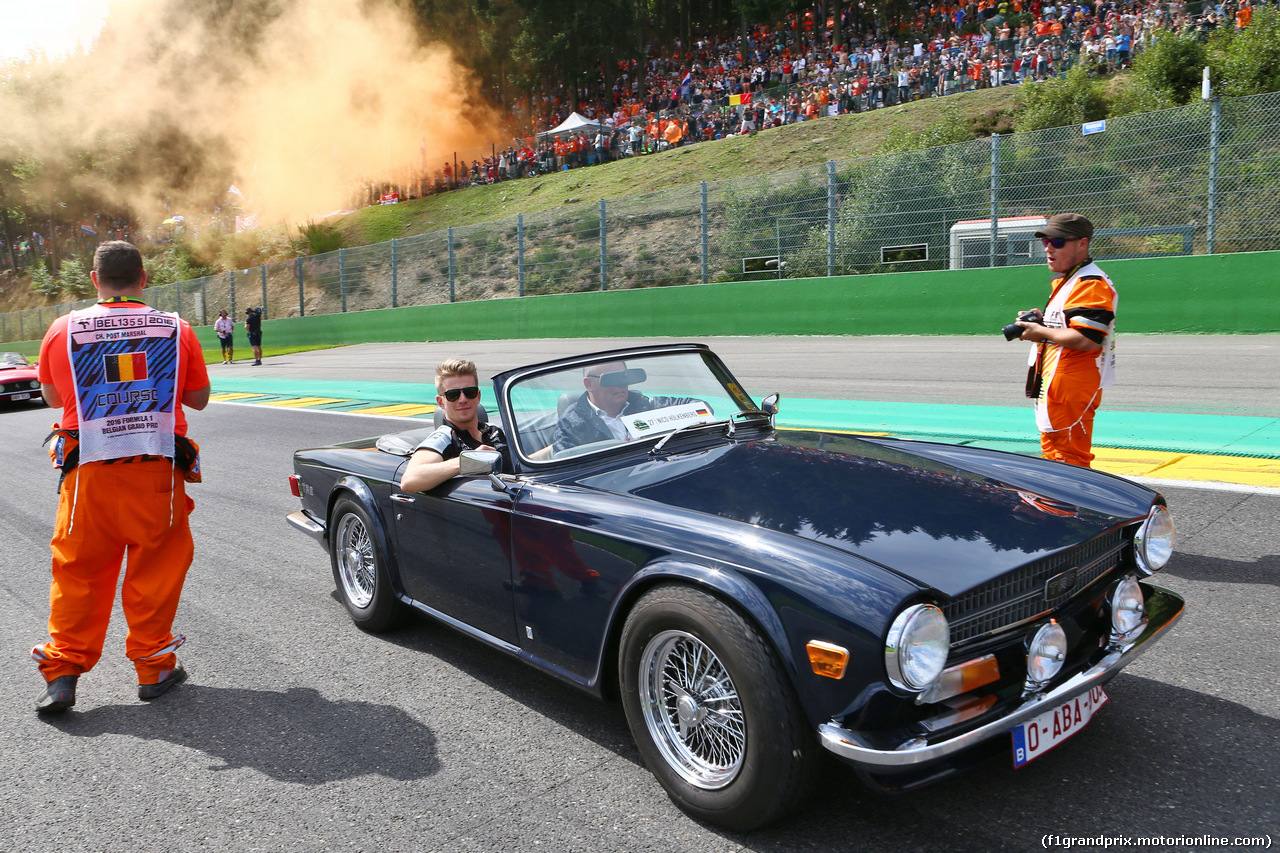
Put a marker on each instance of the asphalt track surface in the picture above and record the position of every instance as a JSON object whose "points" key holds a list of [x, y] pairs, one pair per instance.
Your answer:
{"points": [[299, 732]]}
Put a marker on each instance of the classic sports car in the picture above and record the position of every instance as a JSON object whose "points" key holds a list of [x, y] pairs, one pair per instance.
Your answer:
{"points": [[18, 379], [753, 594]]}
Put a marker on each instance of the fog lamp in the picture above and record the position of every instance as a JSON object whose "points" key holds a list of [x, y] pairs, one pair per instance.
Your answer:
{"points": [[1128, 610], [1046, 654]]}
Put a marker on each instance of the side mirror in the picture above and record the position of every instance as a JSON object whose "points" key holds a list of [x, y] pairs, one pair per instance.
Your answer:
{"points": [[769, 405], [478, 463]]}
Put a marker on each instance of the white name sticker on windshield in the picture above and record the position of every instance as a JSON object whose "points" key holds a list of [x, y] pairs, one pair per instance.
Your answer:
{"points": [[664, 420]]}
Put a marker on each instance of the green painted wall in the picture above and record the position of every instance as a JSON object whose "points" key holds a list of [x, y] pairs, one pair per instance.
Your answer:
{"points": [[1199, 294]]}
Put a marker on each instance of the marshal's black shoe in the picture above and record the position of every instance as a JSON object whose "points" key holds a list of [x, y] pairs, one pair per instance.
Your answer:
{"points": [[177, 675], [58, 695]]}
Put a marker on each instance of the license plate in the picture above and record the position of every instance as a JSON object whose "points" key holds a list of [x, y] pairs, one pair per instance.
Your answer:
{"points": [[1035, 737], [19, 396]]}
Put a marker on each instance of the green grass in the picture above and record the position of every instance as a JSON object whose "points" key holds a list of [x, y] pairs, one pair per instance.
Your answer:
{"points": [[793, 146]]}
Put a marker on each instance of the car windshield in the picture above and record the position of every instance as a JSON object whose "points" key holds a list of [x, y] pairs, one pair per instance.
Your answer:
{"points": [[610, 401], [13, 359]]}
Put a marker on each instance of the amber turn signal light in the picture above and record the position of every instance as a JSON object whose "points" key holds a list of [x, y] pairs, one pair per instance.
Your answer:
{"points": [[827, 659]]}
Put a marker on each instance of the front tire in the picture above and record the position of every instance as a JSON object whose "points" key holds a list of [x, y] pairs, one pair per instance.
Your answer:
{"points": [[360, 568], [712, 710]]}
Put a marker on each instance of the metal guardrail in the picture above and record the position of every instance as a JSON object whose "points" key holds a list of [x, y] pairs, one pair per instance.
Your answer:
{"points": [[1200, 179]]}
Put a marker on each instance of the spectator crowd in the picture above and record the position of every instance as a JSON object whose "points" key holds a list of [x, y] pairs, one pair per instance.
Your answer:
{"points": [[712, 89]]}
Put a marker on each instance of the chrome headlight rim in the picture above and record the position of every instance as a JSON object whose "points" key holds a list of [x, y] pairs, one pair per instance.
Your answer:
{"points": [[916, 647], [1128, 607], [1153, 543]]}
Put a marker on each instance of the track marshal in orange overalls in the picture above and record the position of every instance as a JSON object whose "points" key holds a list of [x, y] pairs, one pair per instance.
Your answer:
{"points": [[1074, 357], [121, 372]]}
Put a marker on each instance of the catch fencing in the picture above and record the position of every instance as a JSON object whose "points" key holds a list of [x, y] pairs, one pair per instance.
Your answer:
{"points": [[1200, 179]]}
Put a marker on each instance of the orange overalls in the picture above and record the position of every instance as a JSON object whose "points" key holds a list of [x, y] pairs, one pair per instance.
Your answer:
{"points": [[1071, 381], [136, 506]]}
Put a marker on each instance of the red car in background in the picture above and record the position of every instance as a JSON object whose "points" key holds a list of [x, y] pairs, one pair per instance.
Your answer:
{"points": [[18, 380]]}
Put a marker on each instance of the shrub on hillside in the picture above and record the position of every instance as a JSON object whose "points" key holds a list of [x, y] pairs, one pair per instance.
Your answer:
{"points": [[44, 282], [74, 278], [320, 237], [1075, 99]]}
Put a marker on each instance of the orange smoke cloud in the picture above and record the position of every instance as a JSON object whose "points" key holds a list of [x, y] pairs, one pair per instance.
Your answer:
{"points": [[298, 102]]}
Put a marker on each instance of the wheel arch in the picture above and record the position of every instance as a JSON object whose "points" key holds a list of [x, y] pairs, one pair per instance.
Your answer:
{"points": [[729, 586], [353, 486]]}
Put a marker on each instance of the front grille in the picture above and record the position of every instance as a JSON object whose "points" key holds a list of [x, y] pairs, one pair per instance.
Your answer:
{"points": [[1020, 595]]}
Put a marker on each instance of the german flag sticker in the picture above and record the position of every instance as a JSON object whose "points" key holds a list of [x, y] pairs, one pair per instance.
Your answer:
{"points": [[126, 367]]}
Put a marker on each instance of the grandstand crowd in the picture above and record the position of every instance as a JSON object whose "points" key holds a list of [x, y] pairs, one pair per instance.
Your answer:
{"points": [[798, 71], [795, 71]]}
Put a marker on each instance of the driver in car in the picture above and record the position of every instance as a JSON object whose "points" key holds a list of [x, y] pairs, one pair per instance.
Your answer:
{"points": [[435, 459], [598, 415]]}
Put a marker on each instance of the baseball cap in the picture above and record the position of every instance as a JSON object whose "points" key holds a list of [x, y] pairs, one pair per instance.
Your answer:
{"points": [[1069, 225]]}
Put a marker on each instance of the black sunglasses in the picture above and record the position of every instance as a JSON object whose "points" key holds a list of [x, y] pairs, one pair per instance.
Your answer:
{"points": [[453, 394], [1057, 242]]}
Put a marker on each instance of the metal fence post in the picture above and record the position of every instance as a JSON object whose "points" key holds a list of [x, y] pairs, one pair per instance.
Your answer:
{"points": [[703, 215], [301, 306], [450, 263], [394, 262], [1211, 224], [995, 198], [231, 280], [520, 253], [831, 221], [604, 257], [178, 297], [342, 277], [265, 313]]}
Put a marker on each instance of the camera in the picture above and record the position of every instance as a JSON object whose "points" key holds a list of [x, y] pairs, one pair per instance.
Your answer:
{"points": [[1013, 331]]}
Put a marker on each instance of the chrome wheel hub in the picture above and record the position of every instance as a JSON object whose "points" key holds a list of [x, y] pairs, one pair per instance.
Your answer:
{"points": [[692, 710]]}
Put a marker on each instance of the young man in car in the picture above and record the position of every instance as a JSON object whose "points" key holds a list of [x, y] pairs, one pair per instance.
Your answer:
{"points": [[1074, 357], [436, 458]]}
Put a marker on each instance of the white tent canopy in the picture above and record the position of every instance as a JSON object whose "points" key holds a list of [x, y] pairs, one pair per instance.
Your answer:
{"points": [[573, 124]]}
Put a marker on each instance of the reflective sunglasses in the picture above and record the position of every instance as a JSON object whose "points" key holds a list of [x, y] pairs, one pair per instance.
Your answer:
{"points": [[1057, 242], [453, 394]]}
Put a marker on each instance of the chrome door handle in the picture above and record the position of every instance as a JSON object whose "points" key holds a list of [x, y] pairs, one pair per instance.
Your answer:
{"points": [[404, 499]]}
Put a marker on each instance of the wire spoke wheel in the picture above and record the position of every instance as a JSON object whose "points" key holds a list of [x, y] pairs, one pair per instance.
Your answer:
{"points": [[692, 709], [356, 562]]}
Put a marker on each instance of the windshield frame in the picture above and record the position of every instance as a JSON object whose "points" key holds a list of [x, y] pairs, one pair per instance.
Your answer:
{"points": [[508, 384]]}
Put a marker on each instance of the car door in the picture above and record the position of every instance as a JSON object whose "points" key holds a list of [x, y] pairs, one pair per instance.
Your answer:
{"points": [[454, 547]]}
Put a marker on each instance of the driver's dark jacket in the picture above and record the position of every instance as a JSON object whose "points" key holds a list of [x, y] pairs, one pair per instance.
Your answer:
{"points": [[449, 442], [581, 425]]}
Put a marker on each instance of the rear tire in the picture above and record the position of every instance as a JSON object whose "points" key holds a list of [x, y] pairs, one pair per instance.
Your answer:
{"points": [[712, 710], [360, 568]]}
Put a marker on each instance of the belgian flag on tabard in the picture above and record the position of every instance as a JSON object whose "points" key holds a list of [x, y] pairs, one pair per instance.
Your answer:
{"points": [[125, 367]]}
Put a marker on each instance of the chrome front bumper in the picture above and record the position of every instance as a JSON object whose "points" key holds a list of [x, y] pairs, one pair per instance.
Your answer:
{"points": [[851, 747], [309, 526]]}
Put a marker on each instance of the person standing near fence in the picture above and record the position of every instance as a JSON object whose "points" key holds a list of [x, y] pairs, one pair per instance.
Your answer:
{"points": [[225, 329], [121, 372], [1075, 356], [253, 326]]}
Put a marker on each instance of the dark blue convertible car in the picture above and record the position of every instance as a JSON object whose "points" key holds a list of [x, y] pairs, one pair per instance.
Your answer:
{"points": [[753, 595]]}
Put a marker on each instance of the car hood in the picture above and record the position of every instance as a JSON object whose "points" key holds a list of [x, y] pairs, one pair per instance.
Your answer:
{"points": [[947, 523]]}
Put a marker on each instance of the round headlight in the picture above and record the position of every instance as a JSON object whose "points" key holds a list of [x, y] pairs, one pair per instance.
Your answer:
{"points": [[34, 384], [1128, 608], [1153, 545], [915, 651], [1047, 652]]}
